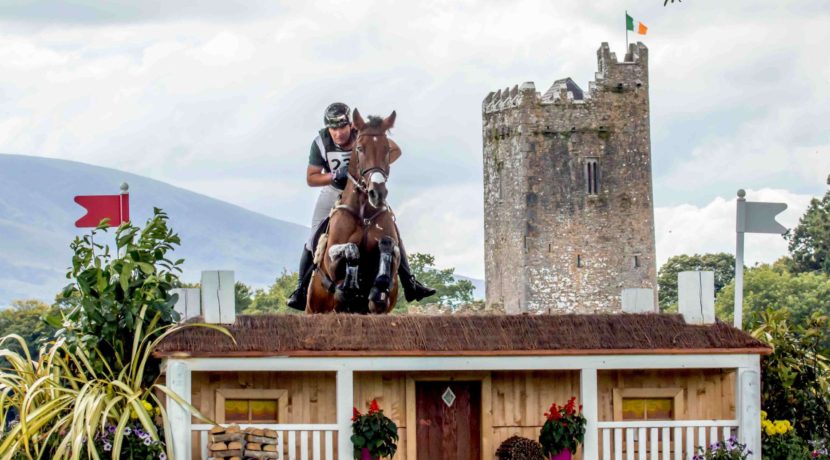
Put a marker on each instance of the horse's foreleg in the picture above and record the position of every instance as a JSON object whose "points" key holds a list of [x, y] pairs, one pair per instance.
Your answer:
{"points": [[379, 295], [350, 254]]}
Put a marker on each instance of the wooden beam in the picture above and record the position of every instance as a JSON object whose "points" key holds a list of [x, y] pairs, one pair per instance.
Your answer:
{"points": [[748, 411], [457, 364], [590, 409], [178, 381]]}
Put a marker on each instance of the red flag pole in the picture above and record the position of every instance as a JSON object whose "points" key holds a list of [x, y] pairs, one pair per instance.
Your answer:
{"points": [[125, 202]]}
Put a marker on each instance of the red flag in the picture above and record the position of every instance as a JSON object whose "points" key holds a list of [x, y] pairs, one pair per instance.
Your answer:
{"points": [[98, 207]]}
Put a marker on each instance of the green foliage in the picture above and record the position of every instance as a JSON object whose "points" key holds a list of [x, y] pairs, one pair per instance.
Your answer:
{"points": [[772, 287], [64, 402], [243, 295], [796, 376], [109, 290], [26, 319], [449, 291], [564, 428], [809, 242], [374, 431], [274, 299], [721, 263]]}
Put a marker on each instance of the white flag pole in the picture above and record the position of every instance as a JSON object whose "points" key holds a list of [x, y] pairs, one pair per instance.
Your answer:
{"points": [[740, 228]]}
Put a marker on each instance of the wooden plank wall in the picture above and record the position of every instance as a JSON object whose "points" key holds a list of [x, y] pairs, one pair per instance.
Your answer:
{"points": [[709, 393], [519, 399], [311, 395]]}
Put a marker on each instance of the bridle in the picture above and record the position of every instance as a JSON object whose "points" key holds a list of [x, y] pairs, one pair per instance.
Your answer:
{"points": [[360, 182]]}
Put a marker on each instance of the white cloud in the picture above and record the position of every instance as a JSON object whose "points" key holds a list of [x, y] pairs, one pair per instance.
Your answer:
{"points": [[225, 99], [689, 229]]}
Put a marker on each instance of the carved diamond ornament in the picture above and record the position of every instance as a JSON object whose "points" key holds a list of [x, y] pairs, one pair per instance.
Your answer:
{"points": [[448, 397]]}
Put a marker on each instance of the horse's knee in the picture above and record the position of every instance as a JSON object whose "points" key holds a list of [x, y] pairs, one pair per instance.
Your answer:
{"points": [[387, 245], [348, 251]]}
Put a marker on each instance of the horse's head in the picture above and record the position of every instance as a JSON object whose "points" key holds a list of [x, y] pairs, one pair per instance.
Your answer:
{"points": [[370, 160]]}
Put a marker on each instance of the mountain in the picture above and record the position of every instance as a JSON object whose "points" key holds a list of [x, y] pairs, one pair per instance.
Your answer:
{"points": [[38, 214], [37, 217]]}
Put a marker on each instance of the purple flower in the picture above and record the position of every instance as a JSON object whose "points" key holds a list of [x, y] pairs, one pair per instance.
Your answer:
{"points": [[127, 431], [162, 456], [107, 447]]}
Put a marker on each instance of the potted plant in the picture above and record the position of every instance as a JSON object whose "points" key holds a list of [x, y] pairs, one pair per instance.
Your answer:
{"points": [[563, 431], [374, 435]]}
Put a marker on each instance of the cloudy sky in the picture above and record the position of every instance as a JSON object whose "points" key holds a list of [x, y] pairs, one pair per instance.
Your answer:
{"points": [[224, 98]]}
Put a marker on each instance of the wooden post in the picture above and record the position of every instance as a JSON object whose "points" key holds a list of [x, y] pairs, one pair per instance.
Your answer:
{"points": [[178, 380], [590, 409], [345, 404], [748, 407]]}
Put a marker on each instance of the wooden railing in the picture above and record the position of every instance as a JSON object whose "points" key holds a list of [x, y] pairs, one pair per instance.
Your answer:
{"points": [[661, 440], [295, 441]]}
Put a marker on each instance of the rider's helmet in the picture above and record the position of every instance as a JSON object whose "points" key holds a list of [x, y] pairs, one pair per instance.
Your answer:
{"points": [[337, 115]]}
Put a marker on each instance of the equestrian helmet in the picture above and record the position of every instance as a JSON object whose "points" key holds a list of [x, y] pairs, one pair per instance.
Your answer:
{"points": [[337, 115]]}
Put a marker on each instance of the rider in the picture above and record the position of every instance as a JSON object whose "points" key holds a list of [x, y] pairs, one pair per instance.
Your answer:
{"points": [[328, 166]]}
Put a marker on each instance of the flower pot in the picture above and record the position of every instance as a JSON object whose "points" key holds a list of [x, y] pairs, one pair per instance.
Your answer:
{"points": [[563, 455], [365, 455]]}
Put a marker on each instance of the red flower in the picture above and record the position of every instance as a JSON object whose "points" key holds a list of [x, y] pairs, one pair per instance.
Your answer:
{"points": [[374, 408], [355, 414], [565, 424]]}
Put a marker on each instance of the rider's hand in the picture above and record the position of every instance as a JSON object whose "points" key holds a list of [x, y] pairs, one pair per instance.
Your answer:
{"points": [[338, 177]]}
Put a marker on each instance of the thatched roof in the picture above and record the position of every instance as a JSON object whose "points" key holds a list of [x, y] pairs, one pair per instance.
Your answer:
{"points": [[484, 335]]}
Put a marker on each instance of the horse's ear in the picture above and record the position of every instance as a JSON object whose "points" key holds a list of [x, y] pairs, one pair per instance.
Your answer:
{"points": [[358, 120], [389, 121]]}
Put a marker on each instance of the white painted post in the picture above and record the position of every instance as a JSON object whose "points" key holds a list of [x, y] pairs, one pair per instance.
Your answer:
{"points": [[740, 227], [178, 380], [590, 409], [696, 296], [218, 297], [189, 304], [345, 404], [748, 410], [638, 300]]}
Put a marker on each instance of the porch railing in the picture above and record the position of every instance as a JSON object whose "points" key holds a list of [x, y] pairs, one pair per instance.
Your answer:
{"points": [[294, 441], [661, 440]]}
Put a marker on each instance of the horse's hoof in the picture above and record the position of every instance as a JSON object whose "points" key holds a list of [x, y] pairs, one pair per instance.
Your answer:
{"points": [[377, 295], [383, 282]]}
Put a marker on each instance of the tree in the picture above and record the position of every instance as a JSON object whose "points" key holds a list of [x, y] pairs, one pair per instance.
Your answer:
{"points": [[274, 299], [450, 291], [243, 296], [809, 242], [26, 319], [721, 263], [773, 287]]}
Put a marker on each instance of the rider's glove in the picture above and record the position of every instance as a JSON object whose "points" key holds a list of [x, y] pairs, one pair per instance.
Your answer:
{"points": [[338, 178]]}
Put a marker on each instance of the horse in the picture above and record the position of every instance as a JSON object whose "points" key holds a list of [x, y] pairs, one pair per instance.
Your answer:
{"points": [[361, 244]]}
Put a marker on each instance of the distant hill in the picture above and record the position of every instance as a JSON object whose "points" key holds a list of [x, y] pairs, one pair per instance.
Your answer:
{"points": [[37, 217]]}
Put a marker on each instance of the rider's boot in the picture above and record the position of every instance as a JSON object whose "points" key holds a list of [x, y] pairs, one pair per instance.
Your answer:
{"points": [[297, 300], [412, 289]]}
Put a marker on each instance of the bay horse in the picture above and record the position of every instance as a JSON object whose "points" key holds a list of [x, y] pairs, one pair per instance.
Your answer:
{"points": [[357, 261]]}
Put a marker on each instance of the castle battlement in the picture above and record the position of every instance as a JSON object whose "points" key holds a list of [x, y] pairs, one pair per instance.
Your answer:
{"points": [[569, 220]]}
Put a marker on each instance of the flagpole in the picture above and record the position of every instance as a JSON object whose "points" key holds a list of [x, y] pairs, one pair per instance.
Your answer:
{"points": [[626, 31], [740, 228]]}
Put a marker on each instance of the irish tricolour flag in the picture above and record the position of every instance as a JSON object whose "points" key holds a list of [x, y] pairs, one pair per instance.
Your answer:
{"points": [[629, 25]]}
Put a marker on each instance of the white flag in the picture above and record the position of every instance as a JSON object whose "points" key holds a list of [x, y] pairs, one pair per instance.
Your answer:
{"points": [[759, 217]]}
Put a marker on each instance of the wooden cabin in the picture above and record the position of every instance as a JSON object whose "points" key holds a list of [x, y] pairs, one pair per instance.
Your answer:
{"points": [[651, 385]]}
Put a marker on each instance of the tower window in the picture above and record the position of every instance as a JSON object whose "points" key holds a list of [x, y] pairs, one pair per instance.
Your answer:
{"points": [[636, 261], [579, 260], [592, 176]]}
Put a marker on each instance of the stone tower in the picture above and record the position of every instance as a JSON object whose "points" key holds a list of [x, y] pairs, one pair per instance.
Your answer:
{"points": [[569, 217]]}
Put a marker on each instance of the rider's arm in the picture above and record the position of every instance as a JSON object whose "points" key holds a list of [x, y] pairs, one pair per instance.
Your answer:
{"points": [[316, 176], [394, 151]]}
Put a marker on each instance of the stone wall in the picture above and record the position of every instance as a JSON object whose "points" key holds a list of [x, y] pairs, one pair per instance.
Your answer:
{"points": [[552, 243]]}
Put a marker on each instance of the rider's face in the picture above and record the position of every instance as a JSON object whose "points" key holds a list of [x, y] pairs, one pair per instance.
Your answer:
{"points": [[341, 135]]}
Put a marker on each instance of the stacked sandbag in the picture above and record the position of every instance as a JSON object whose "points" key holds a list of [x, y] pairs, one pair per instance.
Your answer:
{"points": [[226, 443], [261, 443]]}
